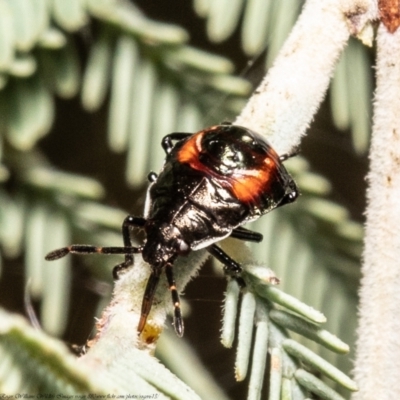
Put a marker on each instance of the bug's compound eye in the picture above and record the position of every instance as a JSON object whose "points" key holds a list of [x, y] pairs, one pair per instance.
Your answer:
{"points": [[183, 247]]}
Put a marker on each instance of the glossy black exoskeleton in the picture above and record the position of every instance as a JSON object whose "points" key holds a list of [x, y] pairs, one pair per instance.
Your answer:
{"points": [[212, 183]]}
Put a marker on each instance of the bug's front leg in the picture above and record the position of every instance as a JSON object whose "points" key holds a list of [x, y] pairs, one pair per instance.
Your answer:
{"points": [[148, 297], [178, 321]]}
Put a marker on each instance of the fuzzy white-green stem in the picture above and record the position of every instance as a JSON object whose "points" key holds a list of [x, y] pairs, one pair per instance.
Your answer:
{"points": [[377, 368], [284, 104]]}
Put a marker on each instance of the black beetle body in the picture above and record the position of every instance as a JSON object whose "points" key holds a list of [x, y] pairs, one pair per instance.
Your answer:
{"points": [[212, 183]]}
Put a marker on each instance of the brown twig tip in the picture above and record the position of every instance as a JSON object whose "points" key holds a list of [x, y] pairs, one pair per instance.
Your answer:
{"points": [[389, 13]]}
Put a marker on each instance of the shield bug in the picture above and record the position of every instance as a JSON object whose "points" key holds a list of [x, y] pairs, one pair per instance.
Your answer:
{"points": [[212, 183]]}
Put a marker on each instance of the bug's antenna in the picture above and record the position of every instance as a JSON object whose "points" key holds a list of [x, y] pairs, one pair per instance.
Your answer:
{"points": [[294, 152], [148, 298], [178, 322]]}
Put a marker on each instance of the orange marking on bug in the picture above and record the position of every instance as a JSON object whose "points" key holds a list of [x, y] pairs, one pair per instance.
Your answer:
{"points": [[189, 152], [249, 185], [248, 188]]}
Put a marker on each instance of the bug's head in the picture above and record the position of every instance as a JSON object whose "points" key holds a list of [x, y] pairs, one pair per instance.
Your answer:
{"points": [[164, 243]]}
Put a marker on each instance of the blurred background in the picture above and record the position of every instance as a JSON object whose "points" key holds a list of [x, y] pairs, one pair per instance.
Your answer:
{"points": [[89, 88]]}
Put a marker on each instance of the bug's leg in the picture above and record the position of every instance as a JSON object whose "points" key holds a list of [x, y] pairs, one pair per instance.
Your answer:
{"points": [[128, 250], [166, 143], [128, 223], [148, 297], [246, 234], [231, 267], [178, 322], [292, 153]]}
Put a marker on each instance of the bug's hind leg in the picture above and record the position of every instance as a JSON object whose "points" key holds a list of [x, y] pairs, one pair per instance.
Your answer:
{"points": [[128, 223], [178, 322], [246, 234], [231, 267]]}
